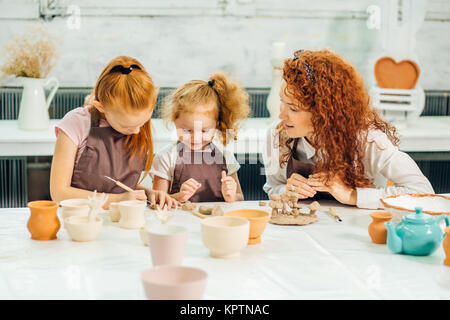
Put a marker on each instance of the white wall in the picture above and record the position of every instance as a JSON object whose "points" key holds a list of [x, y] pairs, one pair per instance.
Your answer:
{"points": [[179, 40]]}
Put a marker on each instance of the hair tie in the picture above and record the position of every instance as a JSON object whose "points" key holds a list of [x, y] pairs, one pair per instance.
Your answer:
{"points": [[123, 70], [211, 83]]}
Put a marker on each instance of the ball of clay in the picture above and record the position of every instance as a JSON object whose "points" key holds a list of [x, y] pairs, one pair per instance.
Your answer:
{"points": [[188, 206], [217, 211], [205, 209]]}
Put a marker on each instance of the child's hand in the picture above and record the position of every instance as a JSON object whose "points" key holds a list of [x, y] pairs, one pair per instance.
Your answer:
{"points": [[162, 198], [229, 187], [188, 188], [133, 195]]}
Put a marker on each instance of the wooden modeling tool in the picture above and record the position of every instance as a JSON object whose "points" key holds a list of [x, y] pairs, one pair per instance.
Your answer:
{"points": [[334, 214], [123, 186]]}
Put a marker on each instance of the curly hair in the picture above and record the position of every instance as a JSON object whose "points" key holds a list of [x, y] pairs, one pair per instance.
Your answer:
{"points": [[230, 101], [322, 83]]}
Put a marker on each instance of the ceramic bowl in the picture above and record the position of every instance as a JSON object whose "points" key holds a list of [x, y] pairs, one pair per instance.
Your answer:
{"points": [[403, 204], [258, 220], [80, 229], [224, 236], [114, 212], [132, 214], [174, 283], [74, 207]]}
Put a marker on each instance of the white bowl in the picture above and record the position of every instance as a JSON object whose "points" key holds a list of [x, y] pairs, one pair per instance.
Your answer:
{"points": [[80, 229], [74, 207], [225, 236], [174, 283], [132, 214], [403, 204]]}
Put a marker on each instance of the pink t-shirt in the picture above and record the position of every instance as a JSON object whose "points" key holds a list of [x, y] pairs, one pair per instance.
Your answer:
{"points": [[76, 124]]}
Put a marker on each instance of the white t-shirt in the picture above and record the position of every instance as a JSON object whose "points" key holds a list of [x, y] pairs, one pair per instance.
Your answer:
{"points": [[165, 161], [382, 161]]}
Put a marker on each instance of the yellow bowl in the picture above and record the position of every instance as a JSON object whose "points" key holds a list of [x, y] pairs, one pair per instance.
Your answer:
{"points": [[258, 220]]}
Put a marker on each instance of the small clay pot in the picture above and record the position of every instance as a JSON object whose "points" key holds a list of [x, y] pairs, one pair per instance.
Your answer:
{"points": [[258, 220], [43, 223], [81, 229], [132, 214], [446, 246], [74, 207], [114, 212], [377, 229]]}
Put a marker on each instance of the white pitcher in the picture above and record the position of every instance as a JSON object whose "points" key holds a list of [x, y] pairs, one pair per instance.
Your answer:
{"points": [[33, 112]]}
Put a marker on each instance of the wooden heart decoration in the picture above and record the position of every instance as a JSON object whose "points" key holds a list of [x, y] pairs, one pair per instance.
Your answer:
{"points": [[396, 75]]}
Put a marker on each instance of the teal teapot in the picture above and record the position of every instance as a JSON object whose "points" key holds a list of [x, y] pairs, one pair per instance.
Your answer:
{"points": [[418, 233]]}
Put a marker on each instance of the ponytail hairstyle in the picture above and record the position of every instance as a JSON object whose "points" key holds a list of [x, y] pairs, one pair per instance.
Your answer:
{"points": [[229, 101], [124, 83]]}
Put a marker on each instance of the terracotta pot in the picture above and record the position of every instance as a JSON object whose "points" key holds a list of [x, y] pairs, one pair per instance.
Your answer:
{"points": [[43, 223], [258, 220], [377, 229], [446, 245]]}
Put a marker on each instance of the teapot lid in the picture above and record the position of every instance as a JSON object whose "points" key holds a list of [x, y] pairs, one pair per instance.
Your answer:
{"points": [[418, 217]]}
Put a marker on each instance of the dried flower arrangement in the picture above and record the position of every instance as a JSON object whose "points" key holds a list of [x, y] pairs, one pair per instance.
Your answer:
{"points": [[31, 55]]}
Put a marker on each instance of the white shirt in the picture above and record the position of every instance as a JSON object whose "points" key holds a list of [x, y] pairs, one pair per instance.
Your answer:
{"points": [[165, 161], [382, 161]]}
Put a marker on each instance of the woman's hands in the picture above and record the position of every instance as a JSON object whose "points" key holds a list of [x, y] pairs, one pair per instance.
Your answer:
{"points": [[303, 188], [297, 186], [229, 187], [336, 187]]}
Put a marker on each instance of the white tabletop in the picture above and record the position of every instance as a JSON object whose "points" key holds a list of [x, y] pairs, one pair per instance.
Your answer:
{"points": [[427, 134], [324, 260]]}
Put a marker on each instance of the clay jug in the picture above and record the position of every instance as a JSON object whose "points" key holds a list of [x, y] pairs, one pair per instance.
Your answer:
{"points": [[446, 245], [43, 223], [377, 229]]}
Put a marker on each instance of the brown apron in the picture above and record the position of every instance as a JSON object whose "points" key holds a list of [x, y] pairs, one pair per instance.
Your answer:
{"points": [[299, 163], [106, 155], [203, 166]]}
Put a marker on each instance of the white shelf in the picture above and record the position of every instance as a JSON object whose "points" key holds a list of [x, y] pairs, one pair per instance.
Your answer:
{"points": [[426, 134]]}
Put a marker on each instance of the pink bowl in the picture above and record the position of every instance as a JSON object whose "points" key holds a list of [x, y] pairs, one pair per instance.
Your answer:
{"points": [[174, 283]]}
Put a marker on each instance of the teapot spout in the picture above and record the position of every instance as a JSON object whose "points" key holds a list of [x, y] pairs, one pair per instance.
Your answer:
{"points": [[394, 242]]}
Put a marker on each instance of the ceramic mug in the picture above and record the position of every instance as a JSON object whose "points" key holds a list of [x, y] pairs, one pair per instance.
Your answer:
{"points": [[132, 214], [167, 244]]}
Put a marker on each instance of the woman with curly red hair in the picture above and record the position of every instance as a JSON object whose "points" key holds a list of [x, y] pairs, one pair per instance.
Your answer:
{"points": [[330, 141]]}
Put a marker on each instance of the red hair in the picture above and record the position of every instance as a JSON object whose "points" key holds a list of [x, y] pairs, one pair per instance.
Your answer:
{"points": [[328, 87], [132, 91]]}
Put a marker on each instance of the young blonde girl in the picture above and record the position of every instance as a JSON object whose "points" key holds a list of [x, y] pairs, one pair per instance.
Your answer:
{"points": [[195, 168], [109, 136]]}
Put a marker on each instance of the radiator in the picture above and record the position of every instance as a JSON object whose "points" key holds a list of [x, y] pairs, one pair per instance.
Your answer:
{"points": [[13, 182]]}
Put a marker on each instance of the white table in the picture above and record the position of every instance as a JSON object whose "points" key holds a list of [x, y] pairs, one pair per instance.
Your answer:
{"points": [[325, 260], [427, 134]]}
